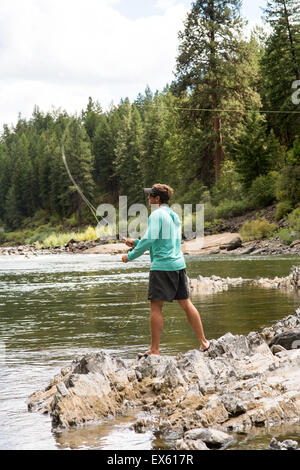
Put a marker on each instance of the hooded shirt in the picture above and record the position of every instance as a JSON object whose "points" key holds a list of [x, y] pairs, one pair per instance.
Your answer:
{"points": [[163, 240]]}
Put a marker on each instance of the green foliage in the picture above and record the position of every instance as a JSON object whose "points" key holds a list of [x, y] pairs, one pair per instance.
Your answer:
{"points": [[209, 212], [257, 229], [229, 161], [262, 190], [194, 194], [229, 208], [229, 185], [280, 67], [60, 239], [292, 232], [2, 235], [215, 74], [285, 236], [71, 221], [288, 184], [293, 155], [256, 152], [39, 235], [17, 237], [282, 209], [294, 219]]}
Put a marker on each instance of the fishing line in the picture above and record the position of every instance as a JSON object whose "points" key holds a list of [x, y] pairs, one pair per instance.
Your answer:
{"points": [[89, 204]]}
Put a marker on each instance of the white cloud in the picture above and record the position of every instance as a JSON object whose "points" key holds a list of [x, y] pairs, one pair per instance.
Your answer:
{"points": [[165, 4], [60, 52]]}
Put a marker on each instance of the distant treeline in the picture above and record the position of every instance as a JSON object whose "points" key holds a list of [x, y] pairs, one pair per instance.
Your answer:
{"points": [[225, 132]]}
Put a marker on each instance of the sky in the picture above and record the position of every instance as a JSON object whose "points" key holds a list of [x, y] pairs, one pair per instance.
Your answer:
{"points": [[57, 53]]}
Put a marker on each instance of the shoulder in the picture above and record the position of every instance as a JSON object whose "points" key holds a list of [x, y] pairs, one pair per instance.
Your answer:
{"points": [[156, 215]]}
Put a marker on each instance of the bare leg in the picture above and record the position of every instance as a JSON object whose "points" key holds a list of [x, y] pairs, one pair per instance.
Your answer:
{"points": [[156, 325], [194, 320]]}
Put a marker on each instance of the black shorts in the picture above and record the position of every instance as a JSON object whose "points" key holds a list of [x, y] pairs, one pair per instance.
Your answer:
{"points": [[168, 285]]}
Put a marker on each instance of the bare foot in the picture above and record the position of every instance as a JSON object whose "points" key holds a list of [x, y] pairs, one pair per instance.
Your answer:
{"points": [[205, 345], [148, 353], [152, 351]]}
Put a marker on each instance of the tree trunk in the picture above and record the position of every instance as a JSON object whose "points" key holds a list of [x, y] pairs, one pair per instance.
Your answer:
{"points": [[295, 64], [218, 156], [218, 153]]}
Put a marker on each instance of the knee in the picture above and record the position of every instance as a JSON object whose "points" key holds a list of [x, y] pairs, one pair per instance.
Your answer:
{"points": [[185, 304]]}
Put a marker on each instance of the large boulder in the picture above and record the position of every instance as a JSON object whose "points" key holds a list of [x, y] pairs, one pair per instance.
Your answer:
{"points": [[288, 339], [232, 245]]}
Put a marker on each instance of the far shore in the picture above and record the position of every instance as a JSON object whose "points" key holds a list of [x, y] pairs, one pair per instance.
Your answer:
{"points": [[226, 243]]}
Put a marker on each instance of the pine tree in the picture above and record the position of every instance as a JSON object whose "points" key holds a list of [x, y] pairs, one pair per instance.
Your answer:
{"points": [[128, 153], [214, 69], [91, 118], [103, 150], [4, 178], [54, 180], [23, 178], [12, 214], [81, 164], [281, 67], [256, 153]]}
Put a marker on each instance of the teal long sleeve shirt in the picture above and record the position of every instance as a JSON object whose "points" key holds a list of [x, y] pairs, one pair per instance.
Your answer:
{"points": [[163, 240]]}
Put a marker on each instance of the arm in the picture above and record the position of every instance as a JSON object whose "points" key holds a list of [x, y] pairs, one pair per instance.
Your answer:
{"points": [[152, 233]]}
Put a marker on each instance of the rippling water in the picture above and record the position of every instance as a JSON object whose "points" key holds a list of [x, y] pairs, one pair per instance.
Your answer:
{"points": [[54, 307]]}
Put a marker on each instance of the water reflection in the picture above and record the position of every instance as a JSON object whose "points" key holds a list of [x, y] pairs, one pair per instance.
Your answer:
{"points": [[114, 434]]}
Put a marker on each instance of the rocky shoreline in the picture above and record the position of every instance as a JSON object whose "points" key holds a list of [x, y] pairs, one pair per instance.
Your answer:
{"points": [[208, 285], [235, 246], [197, 400]]}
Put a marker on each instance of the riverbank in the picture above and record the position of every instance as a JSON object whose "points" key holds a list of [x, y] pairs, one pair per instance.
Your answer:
{"points": [[226, 243]]}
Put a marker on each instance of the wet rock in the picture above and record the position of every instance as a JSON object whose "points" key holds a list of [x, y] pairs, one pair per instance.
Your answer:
{"points": [[213, 438], [208, 285], [258, 251], [287, 340], [288, 444], [292, 281], [212, 284], [187, 444], [232, 245], [62, 389], [142, 425], [247, 251], [233, 404]]}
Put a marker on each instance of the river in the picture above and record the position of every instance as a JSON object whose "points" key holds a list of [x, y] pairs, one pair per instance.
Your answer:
{"points": [[56, 307]]}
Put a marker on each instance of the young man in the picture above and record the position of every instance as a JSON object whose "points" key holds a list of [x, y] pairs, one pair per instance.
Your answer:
{"points": [[167, 280]]}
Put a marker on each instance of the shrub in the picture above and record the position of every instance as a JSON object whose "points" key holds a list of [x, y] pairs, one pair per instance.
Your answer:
{"points": [[209, 212], [288, 184], [72, 220], [90, 233], [285, 236], [257, 229], [2, 235], [293, 155], [294, 219], [229, 208], [229, 185], [282, 209], [16, 237], [58, 239], [262, 190], [38, 236], [193, 194]]}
